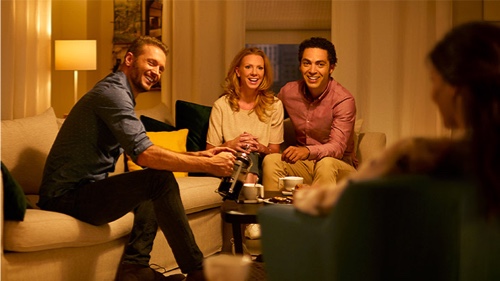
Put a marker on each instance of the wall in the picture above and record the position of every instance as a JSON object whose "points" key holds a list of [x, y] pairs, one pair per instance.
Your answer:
{"points": [[93, 19], [68, 23], [85, 19], [286, 22]]}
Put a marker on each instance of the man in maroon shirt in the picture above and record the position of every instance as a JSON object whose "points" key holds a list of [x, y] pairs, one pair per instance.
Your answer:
{"points": [[322, 113]]}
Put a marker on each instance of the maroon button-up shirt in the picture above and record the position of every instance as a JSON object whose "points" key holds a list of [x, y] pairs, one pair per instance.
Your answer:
{"points": [[324, 125]]}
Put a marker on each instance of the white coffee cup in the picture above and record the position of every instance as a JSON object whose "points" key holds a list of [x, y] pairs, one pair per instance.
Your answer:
{"points": [[289, 183], [252, 191], [225, 267]]}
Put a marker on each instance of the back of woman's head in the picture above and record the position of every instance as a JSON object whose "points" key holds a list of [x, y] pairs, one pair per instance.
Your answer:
{"points": [[468, 57]]}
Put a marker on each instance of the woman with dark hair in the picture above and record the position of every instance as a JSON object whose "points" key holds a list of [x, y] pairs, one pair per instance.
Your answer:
{"points": [[248, 117], [465, 74]]}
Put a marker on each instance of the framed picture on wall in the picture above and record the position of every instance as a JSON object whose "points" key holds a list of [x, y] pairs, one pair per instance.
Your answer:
{"points": [[133, 18], [127, 21]]}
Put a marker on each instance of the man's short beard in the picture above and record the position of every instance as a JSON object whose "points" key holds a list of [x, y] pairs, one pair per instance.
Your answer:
{"points": [[136, 78]]}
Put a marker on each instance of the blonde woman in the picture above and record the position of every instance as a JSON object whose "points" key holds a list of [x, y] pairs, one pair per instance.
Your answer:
{"points": [[248, 117]]}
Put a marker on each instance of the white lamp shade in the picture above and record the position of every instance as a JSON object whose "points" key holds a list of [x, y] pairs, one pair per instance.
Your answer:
{"points": [[75, 54]]}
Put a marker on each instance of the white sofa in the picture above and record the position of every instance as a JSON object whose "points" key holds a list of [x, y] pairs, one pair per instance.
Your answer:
{"points": [[53, 246]]}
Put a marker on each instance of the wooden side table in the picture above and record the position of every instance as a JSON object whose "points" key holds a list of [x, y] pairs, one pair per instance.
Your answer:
{"points": [[242, 213]]}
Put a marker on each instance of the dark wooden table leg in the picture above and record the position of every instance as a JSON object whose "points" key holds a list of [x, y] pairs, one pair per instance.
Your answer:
{"points": [[238, 239]]}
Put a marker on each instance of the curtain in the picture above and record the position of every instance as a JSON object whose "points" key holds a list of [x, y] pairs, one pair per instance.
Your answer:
{"points": [[203, 37], [382, 48], [26, 49]]}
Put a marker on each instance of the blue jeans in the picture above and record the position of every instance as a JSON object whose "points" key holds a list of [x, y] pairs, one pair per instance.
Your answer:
{"points": [[256, 167], [154, 197]]}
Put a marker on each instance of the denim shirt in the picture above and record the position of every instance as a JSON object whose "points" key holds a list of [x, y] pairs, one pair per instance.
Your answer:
{"points": [[100, 126]]}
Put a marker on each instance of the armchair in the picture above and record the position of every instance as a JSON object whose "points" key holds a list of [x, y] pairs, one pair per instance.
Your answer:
{"points": [[396, 228]]}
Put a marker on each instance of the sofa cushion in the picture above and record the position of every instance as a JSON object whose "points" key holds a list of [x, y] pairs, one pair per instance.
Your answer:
{"points": [[175, 141], [42, 230], [15, 202], [26, 143], [198, 193], [195, 118]]}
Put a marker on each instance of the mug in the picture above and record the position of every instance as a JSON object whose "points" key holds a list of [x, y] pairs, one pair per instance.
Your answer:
{"points": [[289, 183], [225, 267], [251, 191]]}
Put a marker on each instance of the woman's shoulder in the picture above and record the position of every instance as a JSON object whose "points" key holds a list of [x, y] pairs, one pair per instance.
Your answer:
{"points": [[222, 101], [277, 103]]}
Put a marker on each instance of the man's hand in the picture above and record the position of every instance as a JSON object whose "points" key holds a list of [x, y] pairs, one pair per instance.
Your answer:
{"points": [[222, 164], [293, 154]]}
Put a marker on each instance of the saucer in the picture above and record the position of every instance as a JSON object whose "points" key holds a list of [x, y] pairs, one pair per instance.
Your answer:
{"points": [[268, 201], [287, 193]]}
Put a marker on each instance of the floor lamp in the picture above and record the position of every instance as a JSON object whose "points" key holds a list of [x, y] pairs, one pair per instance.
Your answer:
{"points": [[75, 55]]}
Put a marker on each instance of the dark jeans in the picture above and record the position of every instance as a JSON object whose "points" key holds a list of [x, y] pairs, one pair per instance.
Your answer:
{"points": [[154, 196], [256, 167]]}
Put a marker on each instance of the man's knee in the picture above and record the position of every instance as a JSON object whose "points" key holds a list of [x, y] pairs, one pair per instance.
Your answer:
{"points": [[159, 181], [332, 170], [271, 167], [330, 163], [271, 160]]}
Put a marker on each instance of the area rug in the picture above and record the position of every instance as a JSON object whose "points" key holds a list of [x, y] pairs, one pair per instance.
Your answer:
{"points": [[257, 272]]}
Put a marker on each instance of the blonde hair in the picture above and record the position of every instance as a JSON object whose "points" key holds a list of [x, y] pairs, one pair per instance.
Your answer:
{"points": [[231, 85]]}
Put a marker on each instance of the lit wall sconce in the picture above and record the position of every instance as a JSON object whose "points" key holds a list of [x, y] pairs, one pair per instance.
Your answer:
{"points": [[75, 55]]}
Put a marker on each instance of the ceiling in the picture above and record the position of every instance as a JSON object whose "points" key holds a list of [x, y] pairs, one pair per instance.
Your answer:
{"points": [[288, 14]]}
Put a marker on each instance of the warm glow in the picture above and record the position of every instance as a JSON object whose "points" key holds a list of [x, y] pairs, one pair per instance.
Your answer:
{"points": [[75, 54]]}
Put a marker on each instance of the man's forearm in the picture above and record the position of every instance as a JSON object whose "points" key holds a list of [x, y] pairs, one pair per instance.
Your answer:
{"points": [[159, 158]]}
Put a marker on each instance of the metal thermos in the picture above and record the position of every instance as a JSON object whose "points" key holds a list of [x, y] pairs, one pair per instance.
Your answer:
{"points": [[230, 186]]}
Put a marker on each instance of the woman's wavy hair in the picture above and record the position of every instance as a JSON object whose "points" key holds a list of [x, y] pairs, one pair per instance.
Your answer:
{"points": [[468, 57], [231, 85]]}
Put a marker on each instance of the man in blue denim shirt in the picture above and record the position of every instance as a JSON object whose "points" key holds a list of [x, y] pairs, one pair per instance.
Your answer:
{"points": [[98, 129]]}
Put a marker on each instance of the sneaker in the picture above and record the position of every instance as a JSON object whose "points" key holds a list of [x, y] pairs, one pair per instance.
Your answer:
{"points": [[252, 231], [197, 275], [136, 272]]}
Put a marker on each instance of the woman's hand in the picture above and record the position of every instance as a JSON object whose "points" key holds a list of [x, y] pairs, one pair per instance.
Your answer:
{"points": [[316, 201], [244, 143]]}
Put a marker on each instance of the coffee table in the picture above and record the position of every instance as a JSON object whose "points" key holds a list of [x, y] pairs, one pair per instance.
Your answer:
{"points": [[242, 213]]}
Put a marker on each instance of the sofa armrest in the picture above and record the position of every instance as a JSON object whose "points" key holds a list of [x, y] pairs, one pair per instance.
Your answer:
{"points": [[369, 145], [400, 228], [291, 243]]}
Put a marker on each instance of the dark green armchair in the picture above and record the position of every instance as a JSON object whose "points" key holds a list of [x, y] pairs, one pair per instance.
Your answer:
{"points": [[397, 228]]}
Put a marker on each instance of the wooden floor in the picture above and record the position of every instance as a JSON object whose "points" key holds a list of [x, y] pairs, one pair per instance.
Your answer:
{"points": [[257, 272]]}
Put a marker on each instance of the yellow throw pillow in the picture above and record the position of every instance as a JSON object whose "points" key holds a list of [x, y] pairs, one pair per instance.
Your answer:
{"points": [[174, 140]]}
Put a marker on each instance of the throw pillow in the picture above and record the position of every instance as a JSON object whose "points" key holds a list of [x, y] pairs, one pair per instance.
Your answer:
{"points": [[175, 141], [15, 202], [153, 125], [195, 118], [26, 142]]}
